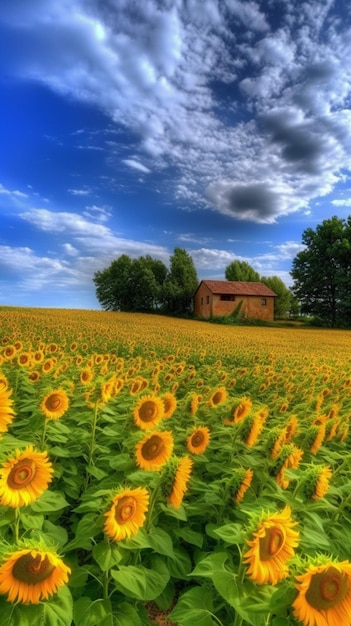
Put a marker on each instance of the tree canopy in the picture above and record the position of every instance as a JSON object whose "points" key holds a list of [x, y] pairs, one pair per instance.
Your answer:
{"points": [[241, 270], [146, 284], [322, 272]]}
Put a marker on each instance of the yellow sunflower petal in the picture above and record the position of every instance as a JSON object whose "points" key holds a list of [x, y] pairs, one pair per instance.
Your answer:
{"points": [[29, 576], [24, 477], [154, 450], [271, 547], [55, 404], [127, 513]]}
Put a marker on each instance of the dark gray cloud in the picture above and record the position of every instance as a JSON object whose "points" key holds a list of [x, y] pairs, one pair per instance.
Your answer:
{"points": [[251, 202]]}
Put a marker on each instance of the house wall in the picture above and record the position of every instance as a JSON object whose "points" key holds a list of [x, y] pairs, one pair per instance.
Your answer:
{"points": [[207, 304], [202, 307]]}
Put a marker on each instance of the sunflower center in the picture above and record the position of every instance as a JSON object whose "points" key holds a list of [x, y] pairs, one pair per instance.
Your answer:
{"points": [[271, 543], [21, 474], [197, 439], [217, 397], [125, 509], [327, 589], [152, 448], [148, 411], [53, 402], [32, 569]]}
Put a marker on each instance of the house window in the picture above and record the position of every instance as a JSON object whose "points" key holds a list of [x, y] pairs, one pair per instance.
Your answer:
{"points": [[208, 299], [229, 297], [263, 301]]}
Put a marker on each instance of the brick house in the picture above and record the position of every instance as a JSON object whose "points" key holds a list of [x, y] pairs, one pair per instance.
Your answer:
{"points": [[221, 297]]}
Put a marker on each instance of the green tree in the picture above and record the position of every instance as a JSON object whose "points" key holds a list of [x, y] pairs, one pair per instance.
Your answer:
{"points": [[241, 270], [113, 285], [322, 272], [147, 278], [181, 283], [282, 302], [131, 284]]}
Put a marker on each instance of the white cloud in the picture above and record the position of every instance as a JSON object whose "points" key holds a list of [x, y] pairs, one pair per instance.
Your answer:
{"points": [[13, 193], [79, 192], [136, 165], [282, 130], [344, 202]]}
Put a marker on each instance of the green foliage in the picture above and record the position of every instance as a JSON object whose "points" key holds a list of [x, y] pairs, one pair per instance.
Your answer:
{"points": [[131, 284], [180, 284], [241, 270], [145, 284], [322, 272], [284, 300]]}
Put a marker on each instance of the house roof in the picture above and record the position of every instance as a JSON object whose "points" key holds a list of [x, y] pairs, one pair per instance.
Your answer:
{"points": [[238, 288]]}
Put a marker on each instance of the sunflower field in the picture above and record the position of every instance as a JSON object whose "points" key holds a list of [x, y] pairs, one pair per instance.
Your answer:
{"points": [[172, 472]]}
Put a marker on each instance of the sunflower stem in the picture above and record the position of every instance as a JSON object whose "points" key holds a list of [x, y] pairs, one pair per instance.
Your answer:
{"points": [[43, 435], [92, 444], [16, 524], [106, 584]]}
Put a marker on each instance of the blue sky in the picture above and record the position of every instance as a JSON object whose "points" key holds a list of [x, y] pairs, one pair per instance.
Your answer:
{"points": [[218, 126]]}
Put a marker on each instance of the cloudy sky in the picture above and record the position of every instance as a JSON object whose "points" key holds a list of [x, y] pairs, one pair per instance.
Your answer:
{"points": [[218, 126]]}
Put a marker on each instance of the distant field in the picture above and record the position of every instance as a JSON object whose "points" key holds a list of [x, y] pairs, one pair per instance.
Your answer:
{"points": [[159, 467]]}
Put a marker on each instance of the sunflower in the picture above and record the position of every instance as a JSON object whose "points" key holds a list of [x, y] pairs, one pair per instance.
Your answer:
{"points": [[324, 594], [9, 352], [181, 479], [199, 439], [256, 425], [278, 442], [24, 477], [55, 404], [148, 412], [242, 409], [170, 404], [6, 409], [194, 402], [127, 513], [322, 482], [319, 438], [31, 575], [244, 486], [155, 450], [24, 359], [86, 375], [218, 396], [291, 456], [271, 547]]}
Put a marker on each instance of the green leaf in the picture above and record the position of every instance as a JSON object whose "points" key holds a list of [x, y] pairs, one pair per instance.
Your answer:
{"points": [[30, 521], [210, 564], [97, 472], [58, 611], [126, 615], [19, 614], [161, 542], [194, 607], [96, 613], [179, 565], [87, 529], [282, 598], [136, 581], [226, 584], [190, 536], [49, 501], [230, 533], [106, 555]]}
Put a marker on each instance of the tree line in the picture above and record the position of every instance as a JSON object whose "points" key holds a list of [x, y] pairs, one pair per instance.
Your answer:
{"points": [[321, 273], [146, 285]]}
